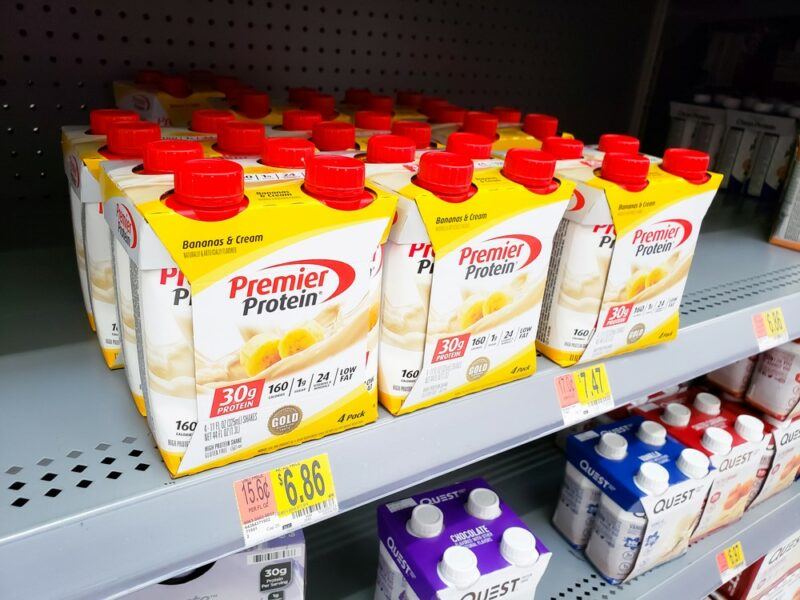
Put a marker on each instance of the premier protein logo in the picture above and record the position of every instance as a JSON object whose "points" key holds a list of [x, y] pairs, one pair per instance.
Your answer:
{"points": [[662, 236], [291, 285], [140, 102], [423, 254], [577, 202], [181, 294], [126, 227], [499, 255]]}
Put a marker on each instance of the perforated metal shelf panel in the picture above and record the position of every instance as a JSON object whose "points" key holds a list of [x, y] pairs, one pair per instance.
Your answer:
{"points": [[121, 522], [581, 61]]}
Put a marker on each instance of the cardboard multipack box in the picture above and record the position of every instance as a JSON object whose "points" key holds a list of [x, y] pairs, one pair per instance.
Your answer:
{"points": [[775, 384], [170, 102], [733, 379], [787, 226], [274, 570], [696, 126], [775, 576], [622, 254], [460, 541], [253, 306], [468, 322]]}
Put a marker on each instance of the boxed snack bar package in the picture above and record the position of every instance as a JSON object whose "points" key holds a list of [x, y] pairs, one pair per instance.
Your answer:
{"points": [[274, 570], [696, 126], [468, 322], [735, 377], [259, 301], [775, 384], [622, 254], [456, 542], [787, 227]]}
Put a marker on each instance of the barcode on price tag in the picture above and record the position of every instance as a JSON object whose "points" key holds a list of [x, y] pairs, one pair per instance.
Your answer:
{"points": [[584, 393], [731, 562], [289, 497], [262, 557], [770, 328]]}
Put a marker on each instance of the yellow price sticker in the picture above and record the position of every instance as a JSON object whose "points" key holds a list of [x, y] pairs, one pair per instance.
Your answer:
{"points": [[591, 384], [734, 555], [304, 487], [774, 322], [731, 561], [770, 328], [584, 393]]}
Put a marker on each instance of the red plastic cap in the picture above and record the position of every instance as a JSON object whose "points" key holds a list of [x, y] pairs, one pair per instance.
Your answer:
{"points": [[418, 131], [373, 119], [430, 103], [563, 148], [101, 119], [130, 138], [692, 165], [148, 77], [175, 85], [224, 83], [299, 95], [200, 76], [626, 169], [617, 142], [445, 173], [209, 120], [287, 153], [254, 105], [540, 126], [380, 103], [357, 96], [447, 114], [390, 149], [300, 120], [332, 136], [470, 145], [324, 104], [209, 183], [335, 177], [165, 156], [240, 138], [531, 168], [234, 94], [507, 114], [482, 123], [409, 98]]}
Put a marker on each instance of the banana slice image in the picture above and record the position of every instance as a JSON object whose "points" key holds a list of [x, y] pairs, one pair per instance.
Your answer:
{"points": [[298, 339], [654, 276], [373, 314], [495, 301], [636, 284], [258, 353], [470, 312]]}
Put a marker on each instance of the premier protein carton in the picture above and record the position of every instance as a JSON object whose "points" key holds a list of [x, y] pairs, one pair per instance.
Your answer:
{"points": [[468, 323], [534, 129], [775, 576], [733, 379], [72, 136], [631, 495], [170, 102], [622, 254], [274, 570], [295, 123], [775, 384], [611, 142], [254, 306], [457, 542], [418, 131], [369, 123], [734, 444]]}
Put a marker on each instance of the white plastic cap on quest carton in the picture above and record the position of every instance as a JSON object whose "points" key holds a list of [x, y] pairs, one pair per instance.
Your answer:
{"points": [[706, 403], [749, 427], [426, 521], [676, 415], [652, 433], [483, 503], [652, 479], [518, 547], [693, 463], [459, 567], [612, 446], [717, 441]]}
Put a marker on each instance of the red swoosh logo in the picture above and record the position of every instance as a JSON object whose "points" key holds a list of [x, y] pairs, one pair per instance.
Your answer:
{"points": [[344, 272], [687, 228], [580, 201], [534, 245]]}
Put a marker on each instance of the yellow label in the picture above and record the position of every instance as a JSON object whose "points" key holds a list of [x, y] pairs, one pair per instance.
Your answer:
{"points": [[774, 323], [591, 383], [734, 555], [303, 484]]}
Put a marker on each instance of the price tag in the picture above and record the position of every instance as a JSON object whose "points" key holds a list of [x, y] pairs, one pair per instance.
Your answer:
{"points": [[731, 562], [584, 393], [289, 497], [770, 328]]}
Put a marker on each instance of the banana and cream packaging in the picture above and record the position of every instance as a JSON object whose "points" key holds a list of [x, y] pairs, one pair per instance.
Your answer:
{"points": [[734, 444], [787, 227], [462, 283], [170, 103], [253, 327], [648, 495], [620, 259]]}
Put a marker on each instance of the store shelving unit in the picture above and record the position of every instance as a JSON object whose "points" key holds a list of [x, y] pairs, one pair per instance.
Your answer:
{"points": [[85, 492]]}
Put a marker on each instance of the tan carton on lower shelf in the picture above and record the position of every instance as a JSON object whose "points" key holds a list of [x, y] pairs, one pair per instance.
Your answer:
{"points": [[622, 254], [463, 276], [254, 307]]}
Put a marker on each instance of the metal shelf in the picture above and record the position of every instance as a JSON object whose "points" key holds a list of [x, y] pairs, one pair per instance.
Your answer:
{"points": [[85, 493], [343, 553]]}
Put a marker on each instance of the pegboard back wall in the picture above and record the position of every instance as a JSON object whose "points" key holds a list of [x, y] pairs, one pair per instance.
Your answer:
{"points": [[580, 61]]}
